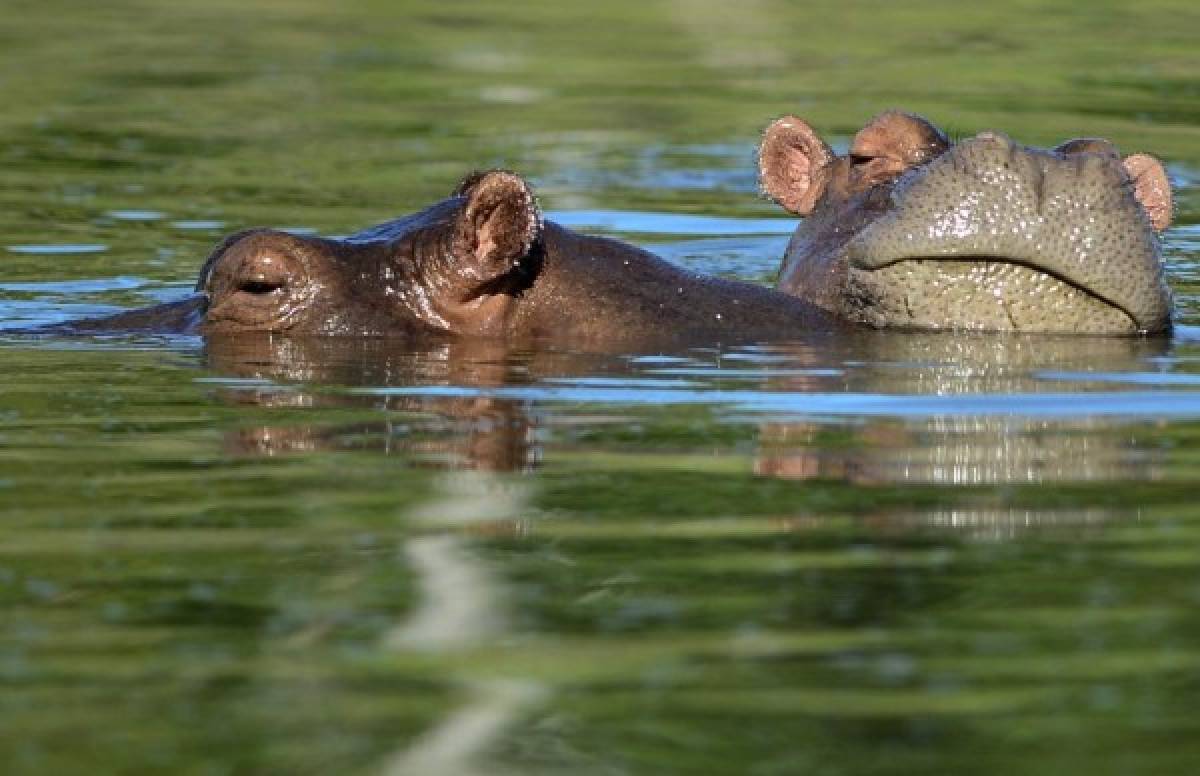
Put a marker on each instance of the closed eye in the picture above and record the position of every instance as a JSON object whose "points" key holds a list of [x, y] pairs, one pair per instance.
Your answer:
{"points": [[860, 159], [259, 286]]}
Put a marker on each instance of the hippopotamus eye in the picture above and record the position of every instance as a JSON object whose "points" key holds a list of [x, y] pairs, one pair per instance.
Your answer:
{"points": [[260, 286], [861, 158], [261, 274]]}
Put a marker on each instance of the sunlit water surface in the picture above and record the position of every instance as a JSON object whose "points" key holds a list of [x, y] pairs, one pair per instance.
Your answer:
{"points": [[855, 552]]}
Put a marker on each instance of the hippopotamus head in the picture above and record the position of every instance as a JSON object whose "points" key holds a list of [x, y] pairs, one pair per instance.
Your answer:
{"points": [[910, 229], [437, 270]]}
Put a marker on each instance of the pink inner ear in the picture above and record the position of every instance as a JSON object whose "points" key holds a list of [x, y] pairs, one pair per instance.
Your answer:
{"points": [[1152, 188], [486, 246], [501, 222], [798, 172], [791, 164], [505, 234]]}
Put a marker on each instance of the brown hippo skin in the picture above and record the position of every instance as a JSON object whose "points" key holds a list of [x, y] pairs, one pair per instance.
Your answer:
{"points": [[480, 264], [911, 230]]}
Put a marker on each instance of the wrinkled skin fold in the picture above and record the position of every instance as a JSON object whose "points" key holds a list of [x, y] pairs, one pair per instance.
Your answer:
{"points": [[910, 230]]}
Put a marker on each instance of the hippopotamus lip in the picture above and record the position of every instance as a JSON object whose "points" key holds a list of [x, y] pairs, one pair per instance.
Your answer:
{"points": [[1137, 323], [870, 251], [860, 263]]}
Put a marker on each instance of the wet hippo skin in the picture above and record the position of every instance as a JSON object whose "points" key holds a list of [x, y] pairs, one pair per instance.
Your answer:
{"points": [[482, 263], [911, 230]]}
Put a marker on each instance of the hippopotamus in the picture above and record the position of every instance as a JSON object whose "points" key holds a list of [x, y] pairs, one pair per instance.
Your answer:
{"points": [[482, 263], [910, 229]]}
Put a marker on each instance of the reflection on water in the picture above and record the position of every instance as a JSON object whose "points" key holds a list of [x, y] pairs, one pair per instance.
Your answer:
{"points": [[461, 606], [968, 449], [481, 406], [462, 433], [1006, 524]]}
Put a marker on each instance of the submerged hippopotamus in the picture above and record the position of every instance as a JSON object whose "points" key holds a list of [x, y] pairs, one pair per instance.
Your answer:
{"points": [[909, 229], [482, 263]]}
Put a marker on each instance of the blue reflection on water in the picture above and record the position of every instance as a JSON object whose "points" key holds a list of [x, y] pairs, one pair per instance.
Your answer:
{"points": [[1173, 404]]}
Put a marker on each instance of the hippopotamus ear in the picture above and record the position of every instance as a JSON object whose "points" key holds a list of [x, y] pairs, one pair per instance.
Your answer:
{"points": [[793, 164], [1151, 187], [500, 222]]}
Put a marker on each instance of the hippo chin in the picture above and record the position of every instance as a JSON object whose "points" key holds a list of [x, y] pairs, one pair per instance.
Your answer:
{"points": [[911, 230], [482, 263]]}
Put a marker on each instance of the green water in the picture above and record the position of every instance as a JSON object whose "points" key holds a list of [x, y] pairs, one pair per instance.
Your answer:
{"points": [[866, 553]]}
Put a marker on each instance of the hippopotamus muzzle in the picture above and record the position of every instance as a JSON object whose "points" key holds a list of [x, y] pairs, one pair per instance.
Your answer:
{"points": [[1071, 217]]}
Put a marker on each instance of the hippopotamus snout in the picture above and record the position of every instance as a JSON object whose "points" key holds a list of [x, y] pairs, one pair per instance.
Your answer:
{"points": [[1070, 214]]}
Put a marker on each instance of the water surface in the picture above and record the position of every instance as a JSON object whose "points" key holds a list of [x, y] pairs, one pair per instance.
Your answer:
{"points": [[860, 552]]}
